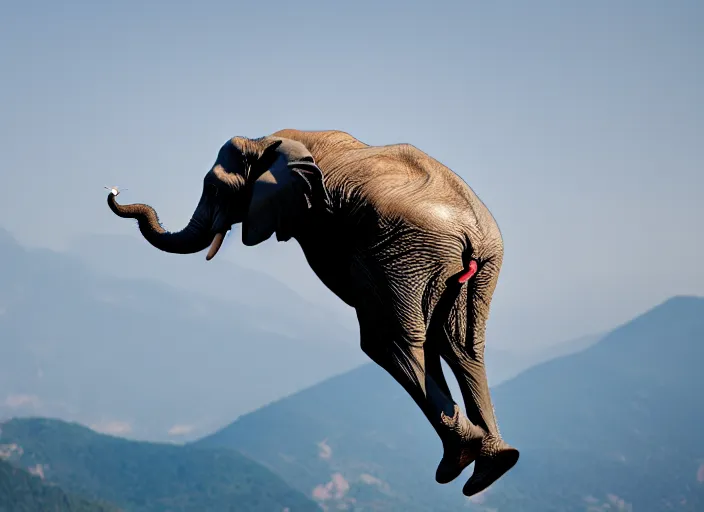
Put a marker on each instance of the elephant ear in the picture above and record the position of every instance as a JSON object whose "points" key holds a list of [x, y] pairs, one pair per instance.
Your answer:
{"points": [[289, 185]]}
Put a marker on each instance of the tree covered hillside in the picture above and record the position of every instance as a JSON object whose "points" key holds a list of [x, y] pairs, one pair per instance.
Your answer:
{"points": [[143, 476]]}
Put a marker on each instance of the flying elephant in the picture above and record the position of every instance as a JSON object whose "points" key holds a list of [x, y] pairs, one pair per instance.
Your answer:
{"points": [[394, 234]]}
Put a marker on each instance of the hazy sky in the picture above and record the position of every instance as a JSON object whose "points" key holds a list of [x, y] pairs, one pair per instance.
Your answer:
{"points": [[580, 124]]}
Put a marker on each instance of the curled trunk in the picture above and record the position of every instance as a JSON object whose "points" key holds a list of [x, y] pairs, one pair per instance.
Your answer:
{"points": [[193, 238]]}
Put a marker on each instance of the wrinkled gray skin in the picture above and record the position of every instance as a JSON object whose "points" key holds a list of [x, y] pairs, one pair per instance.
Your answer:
{"points": [[389, 230]]}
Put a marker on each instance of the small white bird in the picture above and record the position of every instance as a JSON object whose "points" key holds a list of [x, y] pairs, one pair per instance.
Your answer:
{"points": [[114, 190]]}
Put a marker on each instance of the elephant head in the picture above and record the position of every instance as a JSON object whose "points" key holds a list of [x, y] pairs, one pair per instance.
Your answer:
{"points": [[268, 184]]}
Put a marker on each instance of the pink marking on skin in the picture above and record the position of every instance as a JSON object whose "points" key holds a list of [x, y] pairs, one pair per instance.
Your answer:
{"points": [[469, 273]]}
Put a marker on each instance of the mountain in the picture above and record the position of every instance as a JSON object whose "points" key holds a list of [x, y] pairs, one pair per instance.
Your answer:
{"points": [[21, 491], [139, 357], [628, 409], [143, 476], [614, 426], [503, 364]]}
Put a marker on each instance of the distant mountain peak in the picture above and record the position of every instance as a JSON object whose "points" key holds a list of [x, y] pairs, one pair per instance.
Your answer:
{"points": [[678, 300], [7, 238], [666, 324]]}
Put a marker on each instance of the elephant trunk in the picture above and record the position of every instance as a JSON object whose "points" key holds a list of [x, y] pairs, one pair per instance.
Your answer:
{"points": [[193, 238]]}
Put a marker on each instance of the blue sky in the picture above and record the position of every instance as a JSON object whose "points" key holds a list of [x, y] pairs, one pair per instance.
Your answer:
{"points": [[578, 123]]}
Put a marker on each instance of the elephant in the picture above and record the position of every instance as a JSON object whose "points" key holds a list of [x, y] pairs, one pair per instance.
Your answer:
{"points": [[393, 233]]}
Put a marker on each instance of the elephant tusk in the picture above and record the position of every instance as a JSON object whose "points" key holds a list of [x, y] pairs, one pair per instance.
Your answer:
{"points": [[215, 246]]}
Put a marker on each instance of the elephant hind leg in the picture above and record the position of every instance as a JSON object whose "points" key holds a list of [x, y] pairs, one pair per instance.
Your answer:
{"points": [[463, 349], [460, 450], [393, 333], [392, 346]]}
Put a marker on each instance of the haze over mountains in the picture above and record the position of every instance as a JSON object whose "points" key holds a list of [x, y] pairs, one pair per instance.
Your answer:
{"points": [[173, 352], [139, 357], [322, 318]]}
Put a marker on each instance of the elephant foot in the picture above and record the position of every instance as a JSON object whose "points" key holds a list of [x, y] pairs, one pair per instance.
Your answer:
{"points": [[462, 444], [495, 459]]}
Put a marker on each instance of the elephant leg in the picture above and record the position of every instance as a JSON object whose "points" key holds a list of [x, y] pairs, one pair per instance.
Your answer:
{"points": [[404, 359], [403, 356], [433, 368], [461, 450], [463, 349]]}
